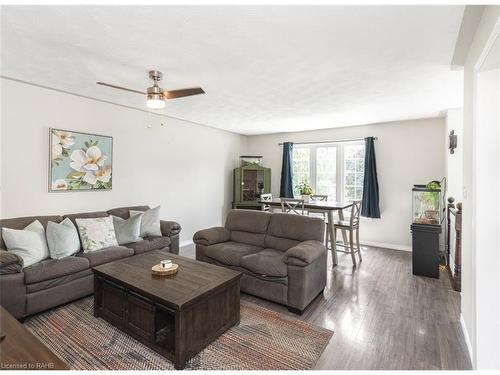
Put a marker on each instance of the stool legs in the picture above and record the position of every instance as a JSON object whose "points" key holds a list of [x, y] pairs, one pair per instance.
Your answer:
{"points": [[351, 247], [357, 243], [333, 239]]}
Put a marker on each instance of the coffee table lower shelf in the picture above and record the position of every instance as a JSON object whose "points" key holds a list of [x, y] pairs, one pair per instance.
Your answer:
{"points": [[176, 333]]}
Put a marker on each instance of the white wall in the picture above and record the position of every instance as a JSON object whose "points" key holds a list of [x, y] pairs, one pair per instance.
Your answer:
{"points": [[454, 162], [469, 301], [454, 166], [487, 165], [185, 168], [407, 153]]}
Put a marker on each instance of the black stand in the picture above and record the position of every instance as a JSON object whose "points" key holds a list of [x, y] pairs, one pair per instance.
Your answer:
{"points": [[425, 256]]}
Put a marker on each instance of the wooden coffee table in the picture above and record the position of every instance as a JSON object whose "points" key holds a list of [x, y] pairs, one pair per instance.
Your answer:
{"points": [[21, 350], [178, 315]]}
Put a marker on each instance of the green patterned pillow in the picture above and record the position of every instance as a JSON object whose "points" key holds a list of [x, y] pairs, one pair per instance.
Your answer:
{"points": [[96, 233]]}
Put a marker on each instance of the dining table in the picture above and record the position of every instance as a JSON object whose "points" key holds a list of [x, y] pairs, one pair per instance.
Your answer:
{"points": [[328, 208]]}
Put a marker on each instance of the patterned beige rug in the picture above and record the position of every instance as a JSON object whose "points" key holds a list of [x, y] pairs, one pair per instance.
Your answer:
{"points": [[264, 340]]}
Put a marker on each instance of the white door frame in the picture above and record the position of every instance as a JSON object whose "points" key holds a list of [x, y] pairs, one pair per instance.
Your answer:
{"points": [[485, 330]]}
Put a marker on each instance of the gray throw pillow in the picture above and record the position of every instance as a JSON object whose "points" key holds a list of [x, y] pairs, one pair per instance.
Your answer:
{"points": [[150, 221], [63, 239], [29, 243], [127, 231]]}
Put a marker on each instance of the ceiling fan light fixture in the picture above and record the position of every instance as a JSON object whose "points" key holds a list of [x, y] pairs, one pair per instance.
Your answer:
{"points": [[155, 101], [155, 95]]}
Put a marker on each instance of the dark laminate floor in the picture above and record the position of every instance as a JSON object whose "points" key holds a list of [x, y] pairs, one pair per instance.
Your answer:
{"points": [[383, 316]]}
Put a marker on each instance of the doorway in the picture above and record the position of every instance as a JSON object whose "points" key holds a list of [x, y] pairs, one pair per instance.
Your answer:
{"points": [[487, 207]]}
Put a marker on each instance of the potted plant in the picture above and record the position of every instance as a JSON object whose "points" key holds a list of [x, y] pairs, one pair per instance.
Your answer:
{"points": [[431, 199], [305, 190]]}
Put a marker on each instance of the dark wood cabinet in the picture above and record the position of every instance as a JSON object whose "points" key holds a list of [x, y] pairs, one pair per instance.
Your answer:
{"points": [[425, 250], [113, 302], [176, 316], [142, 318]]}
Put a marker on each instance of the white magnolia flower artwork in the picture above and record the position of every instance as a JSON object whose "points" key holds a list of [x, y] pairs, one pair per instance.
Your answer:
{"points": [[80, 161], [59, 184], [61, 143]]}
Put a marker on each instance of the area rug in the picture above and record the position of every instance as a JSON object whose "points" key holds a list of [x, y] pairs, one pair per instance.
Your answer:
{"points": [[264, 340]]}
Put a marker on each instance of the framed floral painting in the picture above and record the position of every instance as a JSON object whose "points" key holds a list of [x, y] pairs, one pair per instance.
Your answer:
{"points": [[80, 161]]}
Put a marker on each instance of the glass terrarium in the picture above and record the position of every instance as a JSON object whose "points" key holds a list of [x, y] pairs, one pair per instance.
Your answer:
{"points": [[426, 205]]}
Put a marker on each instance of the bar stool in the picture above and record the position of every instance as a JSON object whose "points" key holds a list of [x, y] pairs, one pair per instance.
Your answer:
{"points": [[351, 225], [266, 198], [292, 206], [320, 213]]}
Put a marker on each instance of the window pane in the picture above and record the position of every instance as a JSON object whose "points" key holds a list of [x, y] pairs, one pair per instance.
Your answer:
{"points": [[354, 155], [360, 165], [301, 166], [350, 178], [349, 165], [326, 171], [359, 193], [359, 179]]}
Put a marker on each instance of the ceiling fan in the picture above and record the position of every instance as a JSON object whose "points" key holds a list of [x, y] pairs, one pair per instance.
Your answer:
{"points": [[156, 96]]}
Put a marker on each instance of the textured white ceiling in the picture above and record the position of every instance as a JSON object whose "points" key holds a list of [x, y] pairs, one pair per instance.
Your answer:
{"points": [[265, 69]]}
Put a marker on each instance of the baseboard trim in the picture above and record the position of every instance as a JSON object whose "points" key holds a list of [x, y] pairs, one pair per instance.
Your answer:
{"points": [[467, 339], [386, 245], [186, 243]]}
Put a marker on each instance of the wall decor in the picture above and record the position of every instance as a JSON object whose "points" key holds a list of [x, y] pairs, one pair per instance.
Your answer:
{"points": [[452, 142], [79, 161]]}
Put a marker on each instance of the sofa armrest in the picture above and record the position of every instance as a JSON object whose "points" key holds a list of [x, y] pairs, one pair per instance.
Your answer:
{"points": [[304, 253], [211, 236], [169, 228], [10, 263]]}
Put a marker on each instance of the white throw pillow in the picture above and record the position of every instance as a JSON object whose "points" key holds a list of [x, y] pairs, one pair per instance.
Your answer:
{"points": [[62, 239], [96, 233], [29, 243], [150, 221]]}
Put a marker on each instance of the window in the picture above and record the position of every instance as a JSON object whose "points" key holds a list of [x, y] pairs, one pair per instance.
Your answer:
{"points": [[354, 166], [301, 165], [336, 170]]}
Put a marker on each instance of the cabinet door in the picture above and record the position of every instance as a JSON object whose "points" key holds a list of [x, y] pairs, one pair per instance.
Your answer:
{"points": [[140, 317], [113, 302], [237, 193]]}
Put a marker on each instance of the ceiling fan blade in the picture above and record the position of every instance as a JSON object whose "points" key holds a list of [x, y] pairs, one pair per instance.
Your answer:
{"points": [[121, 88], [173, 94]]}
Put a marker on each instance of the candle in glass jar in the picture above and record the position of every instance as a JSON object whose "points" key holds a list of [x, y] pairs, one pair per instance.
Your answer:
{"points": [[165, 264]]}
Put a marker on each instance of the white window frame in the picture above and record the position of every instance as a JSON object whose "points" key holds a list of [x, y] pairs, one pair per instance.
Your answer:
{"points": [[339, 158]]}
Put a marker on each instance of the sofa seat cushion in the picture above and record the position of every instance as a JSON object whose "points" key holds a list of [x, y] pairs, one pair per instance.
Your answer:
{"points": [[148, 244], [47, 284], [53, 268], [230, 252], [106, 255], [268, 262]]}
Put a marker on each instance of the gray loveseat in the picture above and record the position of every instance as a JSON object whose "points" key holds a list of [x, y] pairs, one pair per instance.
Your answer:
{"points": [[53, 282], [281, 256]]}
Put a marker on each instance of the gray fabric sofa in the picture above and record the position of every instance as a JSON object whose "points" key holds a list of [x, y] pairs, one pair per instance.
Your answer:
{"points": [[53, 282], [281, 256]]}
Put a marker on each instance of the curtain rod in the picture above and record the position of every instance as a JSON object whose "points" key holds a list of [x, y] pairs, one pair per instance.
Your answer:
{"points": [[337, 141]]}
